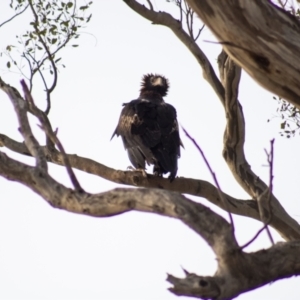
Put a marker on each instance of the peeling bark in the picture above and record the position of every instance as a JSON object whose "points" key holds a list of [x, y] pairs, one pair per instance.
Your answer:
{"points": [[261, 38]]}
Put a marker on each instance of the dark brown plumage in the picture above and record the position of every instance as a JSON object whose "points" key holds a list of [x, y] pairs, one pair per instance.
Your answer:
{"points": [[149, 128]]}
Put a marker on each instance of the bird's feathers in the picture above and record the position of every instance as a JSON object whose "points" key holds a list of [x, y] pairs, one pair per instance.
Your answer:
{"points": [[149, 128]]}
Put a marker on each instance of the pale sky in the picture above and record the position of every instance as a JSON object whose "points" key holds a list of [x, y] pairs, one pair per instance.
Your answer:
{"points": [[46, 253]]}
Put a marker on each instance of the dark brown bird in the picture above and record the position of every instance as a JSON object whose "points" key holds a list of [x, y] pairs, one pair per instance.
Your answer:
{"points": [[149, 129]]}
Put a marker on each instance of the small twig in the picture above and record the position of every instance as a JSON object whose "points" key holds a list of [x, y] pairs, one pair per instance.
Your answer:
{"points": [[49, 56], [213, 176], [254, 238], [192, 23], [270, 158], [188, 17], [150, 4], [47, 90], [10, 19], [65, 157], [179, 3], [199, 32]]}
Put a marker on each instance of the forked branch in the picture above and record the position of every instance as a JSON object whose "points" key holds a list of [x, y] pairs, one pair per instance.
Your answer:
{"points": [[237, 271], [190, 186]]}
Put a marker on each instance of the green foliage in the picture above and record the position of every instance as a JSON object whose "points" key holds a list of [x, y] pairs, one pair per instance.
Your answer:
{"points": [[290, 118], [17, 5], [54, 24], [288, 113]]}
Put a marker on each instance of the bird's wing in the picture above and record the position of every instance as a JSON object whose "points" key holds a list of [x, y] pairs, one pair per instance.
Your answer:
{"points": [[168, 151], [138, 152]]}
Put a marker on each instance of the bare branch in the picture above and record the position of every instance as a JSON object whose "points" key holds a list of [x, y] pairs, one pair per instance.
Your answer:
{"points": [[264, 200], [249, 271], [38, 113], [198, 217], [66, 162], [282, 4], [199, 32], [254, 238], [14, 16], [49, 57], [237, 271], [20, 107], [200, 188], [150, 4], [179, 4], [234, 138], [38, 69], [213, 174], [48, 130], [266, 215]]}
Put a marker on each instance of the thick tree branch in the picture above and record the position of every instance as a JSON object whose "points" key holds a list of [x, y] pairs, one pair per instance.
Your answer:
{"points": [[200, 188], [45, 125], [234, 138], [237, 271], [261, 37], [286, 226], [249, 271], [21, 108], [195, 215]]}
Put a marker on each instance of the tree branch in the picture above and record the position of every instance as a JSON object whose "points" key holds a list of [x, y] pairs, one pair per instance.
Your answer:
{"points": [[21, 108], [213, 174], [268, 51], [237, 271], [249, 271], [165, 19], [200, 188], [227, 92], [14, 16], [281, 221], [49, 57], [200, 218], [234, 138]]}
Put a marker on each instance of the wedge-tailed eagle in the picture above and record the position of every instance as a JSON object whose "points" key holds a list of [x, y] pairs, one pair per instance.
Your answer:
{"points": [[149, 129]]}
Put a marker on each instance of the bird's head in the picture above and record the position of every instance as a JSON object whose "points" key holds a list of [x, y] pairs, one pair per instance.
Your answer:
{"points": [[156, 83]]}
